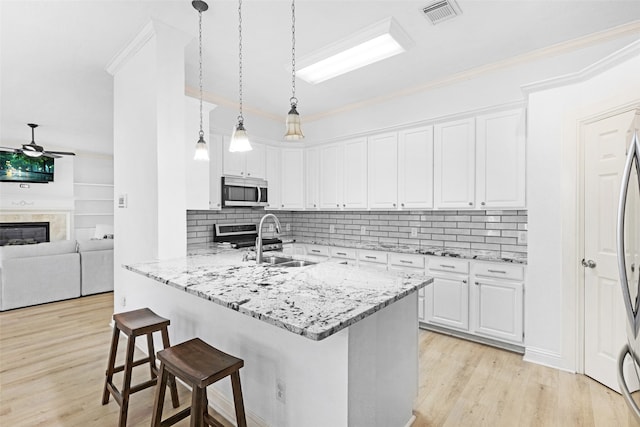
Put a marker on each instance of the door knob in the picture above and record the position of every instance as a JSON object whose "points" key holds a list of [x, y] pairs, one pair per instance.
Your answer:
{"points": [[588, 263]]}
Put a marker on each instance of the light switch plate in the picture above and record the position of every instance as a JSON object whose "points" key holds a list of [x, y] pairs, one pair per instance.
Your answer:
{"points": [[414, 232], [332, 228], [522, 237], [288, 227], [363, 230], [271, 228]]}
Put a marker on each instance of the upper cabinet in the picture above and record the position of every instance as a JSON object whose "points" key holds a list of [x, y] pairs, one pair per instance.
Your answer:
{"points": [[273, 174], [342, 175], [312, 178], [292, 173], [454, 164], [500, 159], [383, 171], [249, 164], [415, 168]]}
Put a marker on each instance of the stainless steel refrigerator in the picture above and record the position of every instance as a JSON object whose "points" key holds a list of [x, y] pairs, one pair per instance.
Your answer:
{"points": [[628, 242]]}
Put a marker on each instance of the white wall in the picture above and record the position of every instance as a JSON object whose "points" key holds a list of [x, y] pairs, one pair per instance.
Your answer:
{"points": [[554, 114], [149, 149]]}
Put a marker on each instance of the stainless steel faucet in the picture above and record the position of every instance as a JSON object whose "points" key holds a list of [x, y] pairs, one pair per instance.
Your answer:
{"points": [[259, 238]]}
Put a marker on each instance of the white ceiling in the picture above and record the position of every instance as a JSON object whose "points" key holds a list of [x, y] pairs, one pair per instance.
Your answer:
{"points": [[53, 53]]}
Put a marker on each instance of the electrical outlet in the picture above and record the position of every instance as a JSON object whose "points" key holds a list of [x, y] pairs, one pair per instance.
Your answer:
{"points": [[414, 232], [288, 227], [522, 237], [363, 230], [332, 228], [271, 228], [123, 301], [280, 391]]}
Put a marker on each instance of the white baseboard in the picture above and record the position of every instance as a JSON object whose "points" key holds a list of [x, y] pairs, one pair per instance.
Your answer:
{"points": [[410, 422], [226, 408], [545, 358]]}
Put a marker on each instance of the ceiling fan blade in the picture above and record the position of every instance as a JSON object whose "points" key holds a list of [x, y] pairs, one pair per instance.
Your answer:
{"points": [[63, 153], [12, 150], [50, 155]]}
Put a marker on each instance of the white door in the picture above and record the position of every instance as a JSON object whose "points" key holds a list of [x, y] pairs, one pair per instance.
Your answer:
{"points": [[415, 168], [454, 164], [605, 143], [383, 171]]}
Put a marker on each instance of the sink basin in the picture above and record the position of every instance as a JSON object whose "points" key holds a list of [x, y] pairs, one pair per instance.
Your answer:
{"points": [[296, 263], [275, 259]]}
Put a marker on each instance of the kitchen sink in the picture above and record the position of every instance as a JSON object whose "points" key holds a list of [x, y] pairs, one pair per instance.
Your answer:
{"points": [[285, 262], [296, 263]]}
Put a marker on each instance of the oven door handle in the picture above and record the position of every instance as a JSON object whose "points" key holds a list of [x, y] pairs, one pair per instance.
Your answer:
{"points": [[259, 194]]}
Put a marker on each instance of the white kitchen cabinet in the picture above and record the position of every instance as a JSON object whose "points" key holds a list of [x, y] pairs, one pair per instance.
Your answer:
{"points": [[415, 168], [383, 171], [500, 159], [454, 164], [343, 175], [292, 185], [414, 264], [497, 301], [343, 255], [447, 299], [312, 178], [249, 164], [273, 174], [215, 172], [331, 168], [372, 259], [354, 193]]}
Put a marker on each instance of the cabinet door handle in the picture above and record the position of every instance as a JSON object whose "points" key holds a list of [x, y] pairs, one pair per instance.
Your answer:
{"points": [[447, 266], [497, 271], [394, 205], [476, 283], [402, 205], [283, 206], [344, 206], [315, 251], [404, 261], [341, 253], [337, 205], [314, 205], [464, 281], [482, 203], [248, 173], [241, 173], [470, 203], [370, 257]]}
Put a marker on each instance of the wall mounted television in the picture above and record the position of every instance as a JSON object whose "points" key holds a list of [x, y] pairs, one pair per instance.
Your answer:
{"points": [[16, 167]]}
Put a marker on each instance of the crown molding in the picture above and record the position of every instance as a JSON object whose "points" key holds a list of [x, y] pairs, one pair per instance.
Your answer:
{"points": [[630, 51], [130, 49], [232, 105], [557, 49]]}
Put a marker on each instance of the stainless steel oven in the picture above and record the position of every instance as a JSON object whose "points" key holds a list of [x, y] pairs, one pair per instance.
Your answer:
{"points": [[238, 191]]}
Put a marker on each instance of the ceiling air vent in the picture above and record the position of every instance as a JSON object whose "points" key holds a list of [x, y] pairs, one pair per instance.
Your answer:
{"points": [[441, 11]]}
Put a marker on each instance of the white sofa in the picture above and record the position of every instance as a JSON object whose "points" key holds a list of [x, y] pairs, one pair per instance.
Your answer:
{"points": [[96, 266], [35, 274], [54, 271]]}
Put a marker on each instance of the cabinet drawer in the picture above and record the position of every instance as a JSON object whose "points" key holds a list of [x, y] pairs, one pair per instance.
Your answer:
{"points": [[372, 256], [406, 260], [499, 270], [345, 253], [318, 250], [449, 265]]}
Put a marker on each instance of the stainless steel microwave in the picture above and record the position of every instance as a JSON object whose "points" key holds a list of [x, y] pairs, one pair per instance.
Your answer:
{"points": [[238, 191]]}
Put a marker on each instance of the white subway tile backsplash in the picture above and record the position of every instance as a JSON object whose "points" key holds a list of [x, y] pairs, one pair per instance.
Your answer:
{"points": [[492, 231]]}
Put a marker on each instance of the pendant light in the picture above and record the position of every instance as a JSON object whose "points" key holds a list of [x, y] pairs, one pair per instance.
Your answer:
{"points": [[239, 138], [294, 133], [202, 153]]}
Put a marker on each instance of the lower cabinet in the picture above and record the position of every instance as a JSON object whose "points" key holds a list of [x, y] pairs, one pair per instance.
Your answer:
{"points": [[447, 299]]}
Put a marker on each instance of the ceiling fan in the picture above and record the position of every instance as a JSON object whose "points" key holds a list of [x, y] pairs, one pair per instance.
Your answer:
{"points": [[34, 150]]}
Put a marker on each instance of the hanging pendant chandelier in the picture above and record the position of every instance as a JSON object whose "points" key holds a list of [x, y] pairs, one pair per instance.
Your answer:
{"points": [[294, 132], [239, 138], [202, 153]]}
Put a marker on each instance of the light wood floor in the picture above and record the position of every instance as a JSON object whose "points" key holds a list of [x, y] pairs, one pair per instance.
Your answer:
{"points": [[53, 358]]}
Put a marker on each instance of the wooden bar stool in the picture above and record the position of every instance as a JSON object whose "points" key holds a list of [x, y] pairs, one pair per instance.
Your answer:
{"points": [[133, 324], [199, 365]]}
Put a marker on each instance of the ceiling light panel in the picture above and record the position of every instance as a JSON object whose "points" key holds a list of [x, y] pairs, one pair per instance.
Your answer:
{"points": [[371, 44]]}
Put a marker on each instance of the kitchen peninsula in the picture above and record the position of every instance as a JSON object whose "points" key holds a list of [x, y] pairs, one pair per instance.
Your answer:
{"points": [[323, 344]]}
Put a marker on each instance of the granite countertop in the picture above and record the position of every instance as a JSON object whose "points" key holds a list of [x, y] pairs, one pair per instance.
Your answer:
{"points": [[474, 254], [314, 301]]}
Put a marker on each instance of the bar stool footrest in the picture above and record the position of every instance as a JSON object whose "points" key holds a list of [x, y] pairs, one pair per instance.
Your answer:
{"points": [[176, 417]]}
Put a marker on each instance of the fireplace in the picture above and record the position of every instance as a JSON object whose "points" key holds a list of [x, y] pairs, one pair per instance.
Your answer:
{"points": [[23, 233]]}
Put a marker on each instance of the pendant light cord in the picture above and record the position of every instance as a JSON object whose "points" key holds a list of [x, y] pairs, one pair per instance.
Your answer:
{"points": [[240, 117], [294, 100], [200, 56]]}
